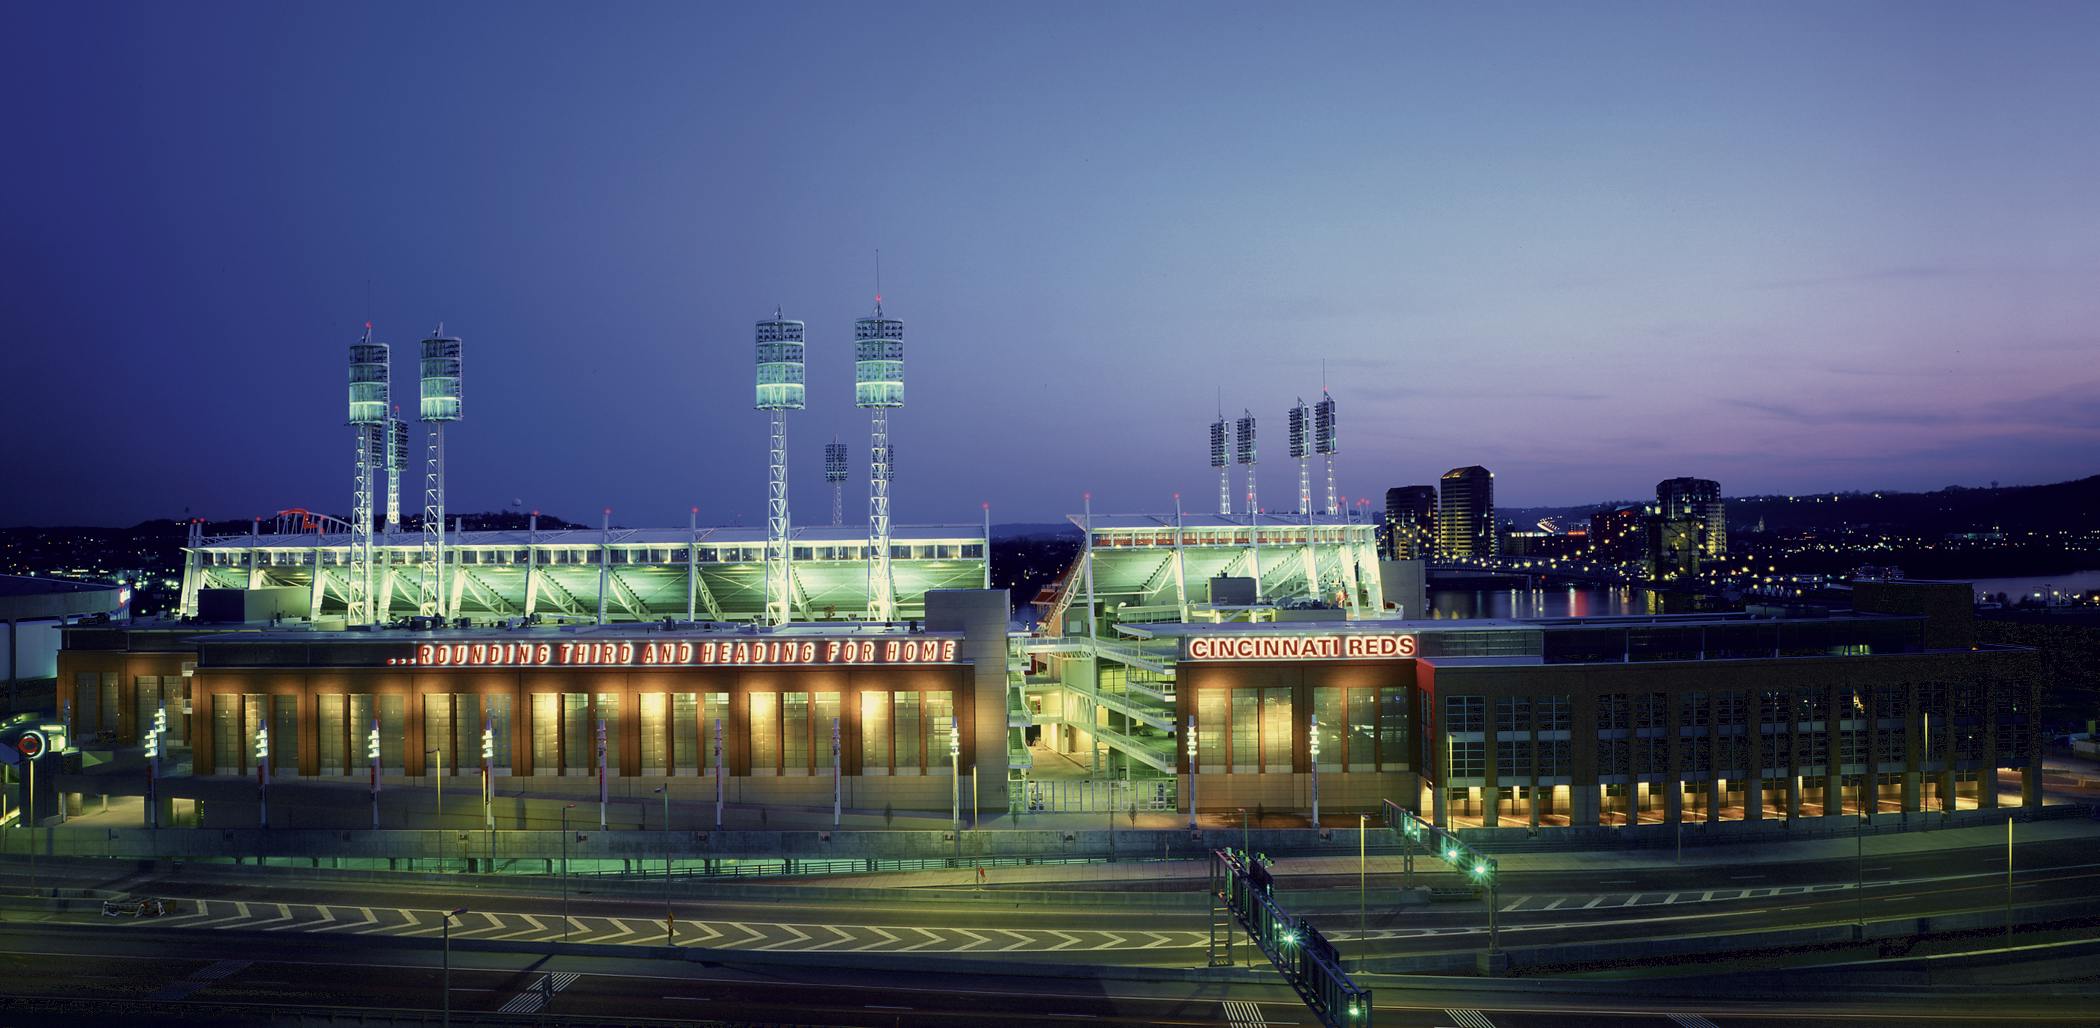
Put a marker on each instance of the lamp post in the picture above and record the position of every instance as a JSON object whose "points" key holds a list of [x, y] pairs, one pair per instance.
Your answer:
{"points": [[955, 775], [262, 774], [565, 808], [488, 759], [837, 807], [601, 774], [438, 753], [665, 791], [372, 755], [1192, 772], [1363, 889], [718, 773], [449, 915]]}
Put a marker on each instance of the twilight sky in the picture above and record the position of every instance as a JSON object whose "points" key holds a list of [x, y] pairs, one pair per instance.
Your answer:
{"points": [[1793, 247]]}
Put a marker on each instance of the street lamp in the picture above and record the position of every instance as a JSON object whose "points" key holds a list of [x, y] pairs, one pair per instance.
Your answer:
{"points": [[955, 774], [1363, 889], [601, 774], [565, 808], [262, 774], [665, 791], [153, 746], [449, 915], [488, 758], [1192, 772]]}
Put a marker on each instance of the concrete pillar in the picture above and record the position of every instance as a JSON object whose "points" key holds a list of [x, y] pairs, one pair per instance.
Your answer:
{"points": [[1946, 785], [1582, 805], [1754, 793], [1913, 788], [1714, 798], [1793, 798], [1490, 800], [1440, 803], [1987, 787], [1673, 802]]}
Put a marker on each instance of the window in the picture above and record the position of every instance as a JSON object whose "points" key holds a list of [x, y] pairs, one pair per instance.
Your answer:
{"points": [[1612, 713], [328, 732], [1464, 714], [546, 733], [940, 728], [1363, 730], [1392, 729], [655, 724], [576, 731], [1512, 759], [1553, 759], [496, 718], [393, 732], [437, 731], [1211, 729], [1327, 709], [823, 718], [609, 721], [907, 721], [794, 733], [1276, 730], [226, 733], [875, 732], [1552, 713], [1513, 714], [1468, 759], [765, 733], [1246, 731], [284, 733], [685, 731]]}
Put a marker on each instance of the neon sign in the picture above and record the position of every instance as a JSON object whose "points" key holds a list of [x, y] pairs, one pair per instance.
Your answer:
{"points": [[681, 653], [1350, 646]]}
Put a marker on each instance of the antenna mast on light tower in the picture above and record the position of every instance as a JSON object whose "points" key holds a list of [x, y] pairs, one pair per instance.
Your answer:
{"points": [[1245, 454], [369, 379], [878, 385], [835, 473], [780, 389], [1221, 458], [441, 397], [1326, 442]]}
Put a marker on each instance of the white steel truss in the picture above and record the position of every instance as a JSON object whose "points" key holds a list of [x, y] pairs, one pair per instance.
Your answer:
{"points": [[431, 591], [779, 592], [359, 609], [881, 585]]}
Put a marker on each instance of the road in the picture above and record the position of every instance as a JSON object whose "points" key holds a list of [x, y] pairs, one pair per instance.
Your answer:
{"points": [[114, 977], [1536, 908]]}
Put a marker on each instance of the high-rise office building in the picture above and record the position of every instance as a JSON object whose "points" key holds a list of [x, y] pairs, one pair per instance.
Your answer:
{"points": [[1616, 535], [1699, 500], [1465, 519], [1410, 522]]}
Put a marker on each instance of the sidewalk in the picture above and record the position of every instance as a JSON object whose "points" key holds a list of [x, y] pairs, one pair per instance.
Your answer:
{"points": [[1345, 863]]}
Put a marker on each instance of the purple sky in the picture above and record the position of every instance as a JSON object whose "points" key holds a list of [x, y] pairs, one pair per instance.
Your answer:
{"points": [[1790, 247]]}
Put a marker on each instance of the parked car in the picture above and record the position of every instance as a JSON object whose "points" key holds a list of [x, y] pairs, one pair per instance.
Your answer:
{"points": [[134, 906]]}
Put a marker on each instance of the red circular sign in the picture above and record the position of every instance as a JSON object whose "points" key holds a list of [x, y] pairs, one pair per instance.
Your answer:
{"points": [[31, 744]]}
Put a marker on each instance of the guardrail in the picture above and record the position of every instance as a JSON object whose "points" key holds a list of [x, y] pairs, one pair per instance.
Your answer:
{"points": [[1309, 963]]}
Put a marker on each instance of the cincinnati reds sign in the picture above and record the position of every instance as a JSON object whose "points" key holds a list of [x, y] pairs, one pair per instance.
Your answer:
{"points": [[1351, 646], [682, 653]]}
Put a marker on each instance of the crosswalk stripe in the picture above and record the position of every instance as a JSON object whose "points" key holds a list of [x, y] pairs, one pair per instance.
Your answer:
{"points": [[1469, 1018]]}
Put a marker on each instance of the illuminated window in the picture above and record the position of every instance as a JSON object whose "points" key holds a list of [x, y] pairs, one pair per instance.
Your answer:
{"points": [[940, 713], [1246, 731], [823, 715], [1392, 729], [875, 732], [655, 726], [685, 731], [329, 732], [794, 732], [1363, 730], [765, 733], [1211, 728], [1276, 731], [284, 734], [496, 718], [909, 758], [1327, 708]]}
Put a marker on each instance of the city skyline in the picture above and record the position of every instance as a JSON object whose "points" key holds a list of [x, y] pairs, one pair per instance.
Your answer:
{"points": [[1589, 255]]}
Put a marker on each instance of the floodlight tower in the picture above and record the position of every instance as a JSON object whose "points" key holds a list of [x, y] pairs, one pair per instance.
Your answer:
{"points": [[835, 474], [878, 385], [1301, 451], [368, 418], [396, 459], [441, 399], [1220, 458], [780, 390], [1326, 443], [1244, 454]]}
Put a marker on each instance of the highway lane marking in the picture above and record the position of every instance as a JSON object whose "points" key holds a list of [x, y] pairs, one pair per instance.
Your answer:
{"points": [[1555, 905], [888, 938], [1593, 903], [843, 936], [1117, 941], [1633, 899], [365, 912], [981, 940], [383, 926], [284, 913], [536, 929], [800, 936], [242, 915], [711, 930], [1515, 903], [1070, 940], [1019, 939], [1468, 1018]]}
